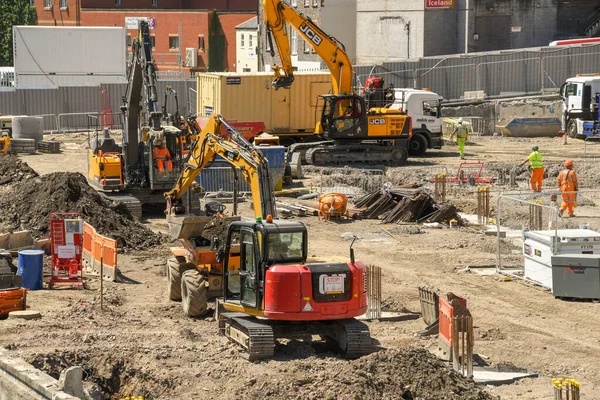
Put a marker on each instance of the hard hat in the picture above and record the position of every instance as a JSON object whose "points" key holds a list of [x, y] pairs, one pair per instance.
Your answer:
{"points": [[535, 148], [460, 121], [568, 163]]}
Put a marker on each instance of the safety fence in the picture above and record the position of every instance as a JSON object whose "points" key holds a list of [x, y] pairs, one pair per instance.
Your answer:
{"points": [[519, 212], [498, 73], [99, 254], [373, 292]]}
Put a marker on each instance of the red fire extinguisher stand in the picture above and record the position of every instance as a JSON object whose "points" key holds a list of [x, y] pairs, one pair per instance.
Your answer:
{"points": [[66, 243]]}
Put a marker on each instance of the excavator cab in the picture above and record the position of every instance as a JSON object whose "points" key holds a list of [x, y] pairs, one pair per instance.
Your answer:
{"points": [[261, 246], [343, 117]]}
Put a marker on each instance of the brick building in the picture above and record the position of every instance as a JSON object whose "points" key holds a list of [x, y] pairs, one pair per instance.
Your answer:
{"points": [[180, 28]]}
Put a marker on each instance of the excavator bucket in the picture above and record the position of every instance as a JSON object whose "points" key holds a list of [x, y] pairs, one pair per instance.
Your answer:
{"points": [[187, 226]]}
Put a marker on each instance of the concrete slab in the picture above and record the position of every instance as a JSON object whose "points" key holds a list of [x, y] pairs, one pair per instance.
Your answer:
{"points": [[25, 314], [391, 316], [493, 377]]}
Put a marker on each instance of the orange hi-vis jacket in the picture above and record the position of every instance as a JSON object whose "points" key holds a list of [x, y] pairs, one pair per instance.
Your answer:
{"points": [[161, 154], [567, 182]]}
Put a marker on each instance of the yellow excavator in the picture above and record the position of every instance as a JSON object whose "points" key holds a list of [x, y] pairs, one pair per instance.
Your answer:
{"points": [[350, 132], [129, 172], [4, 142], [267, 288]]}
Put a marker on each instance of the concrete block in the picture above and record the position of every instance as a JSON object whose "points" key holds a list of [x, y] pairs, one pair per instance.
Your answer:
{"points": [[71, 382]]}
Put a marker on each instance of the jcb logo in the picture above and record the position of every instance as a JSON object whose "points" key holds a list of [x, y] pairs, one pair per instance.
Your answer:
{"points": [[316, 39], [377, 121]]}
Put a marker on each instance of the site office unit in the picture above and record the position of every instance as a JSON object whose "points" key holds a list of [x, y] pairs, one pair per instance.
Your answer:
{"points": [[194, 33]]}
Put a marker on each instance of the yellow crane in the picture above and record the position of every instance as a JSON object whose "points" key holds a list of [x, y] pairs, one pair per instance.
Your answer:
{"points": [[349, 131]]}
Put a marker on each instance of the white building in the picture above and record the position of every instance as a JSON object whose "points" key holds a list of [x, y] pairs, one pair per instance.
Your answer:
{"points": [[246, 44]]}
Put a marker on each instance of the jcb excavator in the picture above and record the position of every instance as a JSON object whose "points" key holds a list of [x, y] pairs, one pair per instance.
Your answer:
{"points": [[352, 132], [268, 288], [131, 167]]}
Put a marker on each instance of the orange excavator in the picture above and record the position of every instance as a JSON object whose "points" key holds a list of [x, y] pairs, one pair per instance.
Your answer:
{"points": [[349, 131], [268, 287]]}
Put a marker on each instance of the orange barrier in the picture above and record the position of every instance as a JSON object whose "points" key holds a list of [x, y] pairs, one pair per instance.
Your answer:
{"points": [[12, 300], [99, 249], [446, 315]]}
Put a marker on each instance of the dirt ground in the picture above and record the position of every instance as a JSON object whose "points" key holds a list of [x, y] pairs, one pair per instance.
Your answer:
{"points": [[141, 344]]}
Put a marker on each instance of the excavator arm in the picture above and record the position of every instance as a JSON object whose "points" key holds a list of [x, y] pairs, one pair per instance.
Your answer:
{"points": [[141, 85], [238, 152], [278, 15]]}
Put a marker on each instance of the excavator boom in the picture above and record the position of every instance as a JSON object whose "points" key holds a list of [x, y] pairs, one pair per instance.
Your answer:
{"points": [[278, 15], [235, 150]]}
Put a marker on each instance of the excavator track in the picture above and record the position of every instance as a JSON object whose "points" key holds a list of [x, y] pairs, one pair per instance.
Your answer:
{"points": [[254, 336], [133, 204], [353, 338], [326, 153]]}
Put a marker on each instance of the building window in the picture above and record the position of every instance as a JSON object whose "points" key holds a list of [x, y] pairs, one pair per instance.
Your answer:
{"points": [[306, 3], [64, 4], [306, 47], [294, 42], [154, 3], [173, 42], [316, 3], [47, 4], [267, 43], [153, 41], [250, 40], [201, 43], [117, 3], [294, 3], [242, 45], [247, 70], [32, 2], [128, 41]]}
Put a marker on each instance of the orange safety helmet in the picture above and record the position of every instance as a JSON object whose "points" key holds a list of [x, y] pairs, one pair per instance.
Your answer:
{"points": [[568, 164]]}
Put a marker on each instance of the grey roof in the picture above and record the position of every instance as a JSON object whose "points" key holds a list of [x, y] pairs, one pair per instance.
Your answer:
{"points": [[250, 24]]}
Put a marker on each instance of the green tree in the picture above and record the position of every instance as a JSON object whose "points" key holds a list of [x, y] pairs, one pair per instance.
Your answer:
{"points": [[13, 12], [216, 44]]}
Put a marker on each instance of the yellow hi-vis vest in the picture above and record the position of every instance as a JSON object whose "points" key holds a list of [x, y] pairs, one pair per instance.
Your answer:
{"points": [[461, 131], [535, 158]]}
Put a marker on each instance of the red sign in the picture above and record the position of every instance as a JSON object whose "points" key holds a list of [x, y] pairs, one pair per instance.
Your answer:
{"points": [[439, 3]]}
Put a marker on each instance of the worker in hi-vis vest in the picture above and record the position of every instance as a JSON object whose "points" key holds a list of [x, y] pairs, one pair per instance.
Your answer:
{"points": [[537, 169], [567, 183], [461, 131], [162, 156]]}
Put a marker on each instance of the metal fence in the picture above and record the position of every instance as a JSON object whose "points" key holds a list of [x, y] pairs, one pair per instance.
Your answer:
{"points": [[500, 73], [59, 107]]}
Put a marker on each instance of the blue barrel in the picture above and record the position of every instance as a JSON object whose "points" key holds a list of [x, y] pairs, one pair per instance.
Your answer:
{"points": [[31, 268]]}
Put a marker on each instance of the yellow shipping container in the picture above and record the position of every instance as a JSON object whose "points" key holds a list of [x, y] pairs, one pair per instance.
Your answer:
{"points": [[251, 97]]}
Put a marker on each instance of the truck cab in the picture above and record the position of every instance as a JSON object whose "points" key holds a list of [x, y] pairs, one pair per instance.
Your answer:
{"points": [[580, 103], [424, 108]]}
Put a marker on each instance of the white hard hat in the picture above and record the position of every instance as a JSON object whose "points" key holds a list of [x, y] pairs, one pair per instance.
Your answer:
{"points": [[460, 120]]}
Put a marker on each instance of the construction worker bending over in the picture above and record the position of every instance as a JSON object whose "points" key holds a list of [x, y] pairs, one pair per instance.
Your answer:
{"points": [[461, 132], [162, 156], [567, 182], [537, 169]]}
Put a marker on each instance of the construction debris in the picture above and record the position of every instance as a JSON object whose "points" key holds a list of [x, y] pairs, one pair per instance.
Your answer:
{"points": [[13, 170], [395, 204], [48, 146], [28, 205]]}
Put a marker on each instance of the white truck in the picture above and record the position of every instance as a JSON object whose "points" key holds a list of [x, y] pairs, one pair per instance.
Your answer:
{"points": [[581, 95], [424, 108]]}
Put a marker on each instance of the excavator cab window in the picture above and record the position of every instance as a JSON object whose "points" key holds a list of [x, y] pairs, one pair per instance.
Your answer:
{"points": [[285, 247], [248, 267], [342, 114]]}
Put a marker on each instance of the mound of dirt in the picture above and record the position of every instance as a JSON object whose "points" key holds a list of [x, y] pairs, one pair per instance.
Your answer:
{"points": [[13, 170], [389, 374], [28, 205]]}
